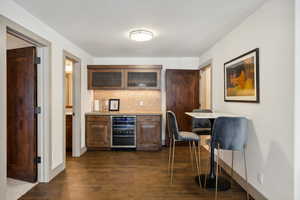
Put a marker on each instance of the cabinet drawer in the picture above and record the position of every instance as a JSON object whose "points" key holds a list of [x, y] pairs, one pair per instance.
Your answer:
{"points": [[149, 118], [91, 118]]}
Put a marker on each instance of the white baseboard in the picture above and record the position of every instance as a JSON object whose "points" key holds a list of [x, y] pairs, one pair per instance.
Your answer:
{"points": [[241, 181], [57, 171], [83, 150]]}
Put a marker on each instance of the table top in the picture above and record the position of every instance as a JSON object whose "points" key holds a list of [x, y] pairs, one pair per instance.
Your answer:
{"points": [[200, 115]]}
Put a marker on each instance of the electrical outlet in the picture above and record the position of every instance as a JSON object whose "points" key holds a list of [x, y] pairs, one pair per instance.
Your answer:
{"points": [[141, 103], [260, 178]]}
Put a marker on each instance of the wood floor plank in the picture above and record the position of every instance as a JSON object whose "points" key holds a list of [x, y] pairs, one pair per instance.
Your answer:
{"points": [[115, 175]]}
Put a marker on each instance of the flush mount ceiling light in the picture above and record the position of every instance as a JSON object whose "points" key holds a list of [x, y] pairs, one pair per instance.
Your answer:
{"points": [[141, 35]]}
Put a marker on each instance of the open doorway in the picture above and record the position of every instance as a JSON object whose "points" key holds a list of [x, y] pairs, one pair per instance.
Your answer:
{"points": [[22, 120], [72, 106], [206, 87], [69, 64], [205, 97], [38, 156]]}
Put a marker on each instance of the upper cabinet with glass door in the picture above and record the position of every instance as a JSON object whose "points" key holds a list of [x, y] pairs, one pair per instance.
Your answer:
{"points": [[105, 79], [102, 77], [143, 78]]}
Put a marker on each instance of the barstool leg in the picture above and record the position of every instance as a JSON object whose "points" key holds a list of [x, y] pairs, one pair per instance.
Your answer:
{"points": [[170, 155], [210, 149], [217, 173], [197, 162], [232, 161], [246, 172], [199, 154], [172, 164], [196, 159], [191, 156]]}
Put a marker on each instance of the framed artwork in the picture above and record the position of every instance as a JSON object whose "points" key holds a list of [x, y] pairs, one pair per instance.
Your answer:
{"points": [[114, 104], [241, 78]]}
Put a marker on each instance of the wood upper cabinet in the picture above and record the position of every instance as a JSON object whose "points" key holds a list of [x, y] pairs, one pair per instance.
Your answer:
{"points": [[98, 131], [103, 77], [142, 79], [148, 133]]}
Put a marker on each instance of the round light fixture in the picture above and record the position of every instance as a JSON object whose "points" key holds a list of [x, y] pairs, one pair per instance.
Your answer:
{"points": [[141, 35]]}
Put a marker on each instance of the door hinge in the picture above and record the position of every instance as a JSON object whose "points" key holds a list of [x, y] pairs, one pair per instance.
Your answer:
{"points": [[37, 110], [37, 60], [38, 160]]}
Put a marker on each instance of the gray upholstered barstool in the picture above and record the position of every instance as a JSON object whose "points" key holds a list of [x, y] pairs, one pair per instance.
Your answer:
{"points": [[230, 133], [181, 136]]}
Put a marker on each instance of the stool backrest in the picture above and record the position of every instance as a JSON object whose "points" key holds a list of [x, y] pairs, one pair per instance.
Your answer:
{"points": [[201, 123], [172, 125], [231, 133]]}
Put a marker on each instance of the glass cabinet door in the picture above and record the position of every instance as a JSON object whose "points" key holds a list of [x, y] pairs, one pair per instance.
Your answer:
{"points": [[139, 79], [106, 79]]}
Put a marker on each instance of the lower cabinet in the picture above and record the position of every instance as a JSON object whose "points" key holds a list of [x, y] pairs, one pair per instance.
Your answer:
{"points": [[98, 132], [148, 134], [69, 127]]}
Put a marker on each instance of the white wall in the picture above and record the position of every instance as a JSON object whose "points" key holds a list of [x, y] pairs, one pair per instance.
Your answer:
{"points": [[297, 103], [167, 63], [17, 14], [2, 112], [270, 145]]}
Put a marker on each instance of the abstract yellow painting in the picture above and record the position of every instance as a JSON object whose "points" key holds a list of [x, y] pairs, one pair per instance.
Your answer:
{"points": [[241, 78]]}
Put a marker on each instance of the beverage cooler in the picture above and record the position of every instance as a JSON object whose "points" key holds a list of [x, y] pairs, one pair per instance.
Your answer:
{"points": [[123, 132]]}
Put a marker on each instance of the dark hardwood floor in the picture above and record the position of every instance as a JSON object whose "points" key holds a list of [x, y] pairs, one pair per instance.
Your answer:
{"points": [[119, 175]]}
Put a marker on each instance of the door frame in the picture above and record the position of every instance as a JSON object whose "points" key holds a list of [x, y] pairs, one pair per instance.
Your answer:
{"points": [[206, 65], [77, 149], [45, 174]]}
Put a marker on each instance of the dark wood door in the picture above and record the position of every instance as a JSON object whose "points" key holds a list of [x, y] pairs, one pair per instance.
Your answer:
{"points": [[69, 134], [98, 132], [148, 134], [21, 117], [182, 95]]}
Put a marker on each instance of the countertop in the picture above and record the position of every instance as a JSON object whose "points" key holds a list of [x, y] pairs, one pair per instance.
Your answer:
{"points": [[123, 113]]}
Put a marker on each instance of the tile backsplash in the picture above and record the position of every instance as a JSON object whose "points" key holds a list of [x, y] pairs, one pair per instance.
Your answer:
{"points": [[132, 100]]}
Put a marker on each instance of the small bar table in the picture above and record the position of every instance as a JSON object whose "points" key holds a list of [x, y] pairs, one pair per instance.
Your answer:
{"points": [[223, 184]]}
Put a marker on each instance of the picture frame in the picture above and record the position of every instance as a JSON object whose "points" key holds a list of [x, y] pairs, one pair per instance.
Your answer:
{"points": [[241, 78], [114, 105]]}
